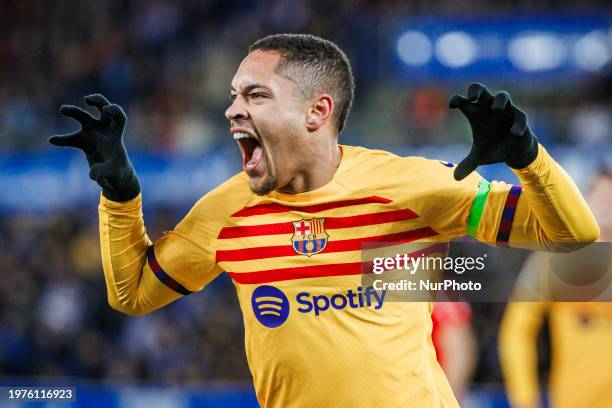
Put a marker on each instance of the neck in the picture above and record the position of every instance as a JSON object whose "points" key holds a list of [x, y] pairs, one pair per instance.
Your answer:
{"points": [[323, 161]]}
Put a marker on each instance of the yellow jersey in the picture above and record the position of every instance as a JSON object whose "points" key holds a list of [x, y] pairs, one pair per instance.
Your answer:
{"points": [[314, 336]]}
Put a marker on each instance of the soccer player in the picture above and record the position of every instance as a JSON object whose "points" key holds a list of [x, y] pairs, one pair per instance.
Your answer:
{"points": [[580, 332], [289, 228]]}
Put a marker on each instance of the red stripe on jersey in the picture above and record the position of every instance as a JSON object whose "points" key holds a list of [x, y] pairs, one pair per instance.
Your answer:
{"points": [[314, 271], [255, 230], [271, 208], [369, 219], [245, 254], [318, 271], [330, 223]]}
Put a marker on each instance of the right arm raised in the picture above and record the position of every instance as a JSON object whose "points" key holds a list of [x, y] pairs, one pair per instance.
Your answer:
{"points": [[134, 268]]}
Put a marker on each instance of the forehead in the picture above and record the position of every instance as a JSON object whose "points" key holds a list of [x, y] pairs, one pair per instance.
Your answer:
{"points": [[259, 67]]}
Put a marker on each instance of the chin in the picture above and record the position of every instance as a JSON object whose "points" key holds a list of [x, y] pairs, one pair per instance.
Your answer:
{"points": [[262, 187]]}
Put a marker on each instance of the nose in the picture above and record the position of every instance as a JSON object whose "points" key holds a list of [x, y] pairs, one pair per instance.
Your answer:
{"points": [[236, 110]]}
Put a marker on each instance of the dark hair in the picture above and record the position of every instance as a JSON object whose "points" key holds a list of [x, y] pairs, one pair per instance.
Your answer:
{"points": [[317, 65]]}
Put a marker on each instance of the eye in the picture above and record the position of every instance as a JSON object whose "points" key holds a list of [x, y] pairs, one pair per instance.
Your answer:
{"points": [[232, 97], [257, 95]]}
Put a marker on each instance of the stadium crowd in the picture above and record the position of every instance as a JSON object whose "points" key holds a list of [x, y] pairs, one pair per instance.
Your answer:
{"points": [[169, 64], [55, 320]]}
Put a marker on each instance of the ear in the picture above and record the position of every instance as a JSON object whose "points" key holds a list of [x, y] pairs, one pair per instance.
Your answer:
{"points": [[320, 112]]}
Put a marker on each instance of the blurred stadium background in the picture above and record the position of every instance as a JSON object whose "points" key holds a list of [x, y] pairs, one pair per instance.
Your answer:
{"points": [[169, 63]]}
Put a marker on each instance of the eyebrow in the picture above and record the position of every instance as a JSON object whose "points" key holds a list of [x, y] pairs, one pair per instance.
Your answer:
{"points": [[250, 87]]}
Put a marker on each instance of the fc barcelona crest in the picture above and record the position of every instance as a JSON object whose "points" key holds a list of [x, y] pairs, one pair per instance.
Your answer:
{"points": [[309, 236]]}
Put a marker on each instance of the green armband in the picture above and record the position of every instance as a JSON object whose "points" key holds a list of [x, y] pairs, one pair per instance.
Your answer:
{"points": [[478, 207]]}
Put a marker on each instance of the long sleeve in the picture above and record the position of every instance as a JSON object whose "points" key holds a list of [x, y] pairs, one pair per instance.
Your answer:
{"points": [[518, 352], [552, 210], [547, 212], [130, 283], [519, 332], [141, 277]]}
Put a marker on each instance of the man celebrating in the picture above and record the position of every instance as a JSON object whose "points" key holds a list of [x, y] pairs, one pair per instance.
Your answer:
{"points": [[290, 227]]}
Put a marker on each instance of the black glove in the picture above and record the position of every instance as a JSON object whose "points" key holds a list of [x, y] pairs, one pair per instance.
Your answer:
{"points": [[102, 141], [499, 130]]}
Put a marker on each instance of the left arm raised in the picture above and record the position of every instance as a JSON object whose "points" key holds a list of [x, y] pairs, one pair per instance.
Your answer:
{"points": [[550, 209]]}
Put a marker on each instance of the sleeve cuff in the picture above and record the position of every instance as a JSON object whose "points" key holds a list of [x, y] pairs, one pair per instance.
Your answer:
{"points": [[536, 166], [135, 204]]}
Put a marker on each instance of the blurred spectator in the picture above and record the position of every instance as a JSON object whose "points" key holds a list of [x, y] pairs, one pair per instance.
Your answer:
{"points": [[169, 64]]}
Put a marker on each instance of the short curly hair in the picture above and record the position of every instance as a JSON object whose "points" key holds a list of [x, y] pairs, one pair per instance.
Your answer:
{"points": [[316, 65]]}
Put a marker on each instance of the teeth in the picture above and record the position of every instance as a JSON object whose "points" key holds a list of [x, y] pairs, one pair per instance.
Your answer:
{"points": [[241, 135]]}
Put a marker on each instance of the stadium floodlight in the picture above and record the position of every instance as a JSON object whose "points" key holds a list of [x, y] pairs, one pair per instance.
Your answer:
{"points": [[414, 48], [592, 52], [456, 49], [537, 51]]}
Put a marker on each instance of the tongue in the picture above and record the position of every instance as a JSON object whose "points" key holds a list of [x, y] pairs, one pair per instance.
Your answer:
{"points": [[255, 157]]}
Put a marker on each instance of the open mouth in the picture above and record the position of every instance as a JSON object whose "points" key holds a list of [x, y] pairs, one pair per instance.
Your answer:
{"points": [[251, 150]]}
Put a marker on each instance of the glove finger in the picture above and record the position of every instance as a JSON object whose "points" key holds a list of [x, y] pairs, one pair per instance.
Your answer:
{"points": [[479, 93], [73, 139], [461, 103], [97, 100], [78, 114], [474, 91], [501, 101], [457, 101], [116, 113], [520, 123], [467, 165]]}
